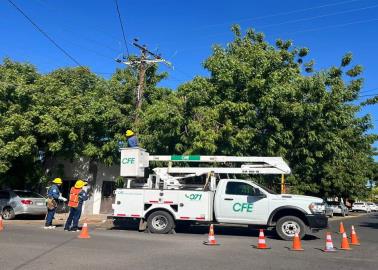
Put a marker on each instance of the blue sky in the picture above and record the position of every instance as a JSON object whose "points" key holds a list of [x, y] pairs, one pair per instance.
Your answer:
{"points": [[184, 31]]}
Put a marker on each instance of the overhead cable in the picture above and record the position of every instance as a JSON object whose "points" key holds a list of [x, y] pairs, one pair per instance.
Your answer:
{"points": [[319, 16], [284, 13], [44, 33], [123, 30]]}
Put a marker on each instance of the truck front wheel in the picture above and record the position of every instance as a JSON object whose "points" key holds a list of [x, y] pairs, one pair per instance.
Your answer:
{"points": [[160, 222], [287, 226]]}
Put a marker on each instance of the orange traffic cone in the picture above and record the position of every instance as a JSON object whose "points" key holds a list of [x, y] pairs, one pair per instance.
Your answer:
{"points": [[297, 243], [261, 243], [84, 232], [329, 245], [211, 240], [341, 228], [1, 223], [344, 243], [354, 238]]}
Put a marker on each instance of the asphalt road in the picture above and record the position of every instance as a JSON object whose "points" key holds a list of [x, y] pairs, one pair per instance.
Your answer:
{"points": [[28, 246]]}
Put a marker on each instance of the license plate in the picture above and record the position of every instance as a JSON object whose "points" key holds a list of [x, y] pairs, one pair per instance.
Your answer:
{"points": [[40, 203]]}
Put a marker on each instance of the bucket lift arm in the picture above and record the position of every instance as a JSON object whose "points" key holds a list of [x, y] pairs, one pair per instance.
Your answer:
{"points": [[253, 165]]}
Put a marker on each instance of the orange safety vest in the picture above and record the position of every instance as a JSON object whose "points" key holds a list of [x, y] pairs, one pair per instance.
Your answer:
{"points": [[74, 197]]}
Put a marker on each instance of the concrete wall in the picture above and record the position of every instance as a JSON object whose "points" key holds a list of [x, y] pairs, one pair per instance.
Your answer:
{"points": [[94, 172]]}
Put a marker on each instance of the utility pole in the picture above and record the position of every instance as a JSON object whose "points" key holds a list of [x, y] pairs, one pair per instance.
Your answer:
{"points": [[283, 187], [143, 62]]}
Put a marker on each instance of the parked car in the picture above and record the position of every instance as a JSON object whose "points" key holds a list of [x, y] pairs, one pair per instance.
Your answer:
{"points": [[328, 210], [18, 202], [373, 206], [339, 208], [361, 207]]}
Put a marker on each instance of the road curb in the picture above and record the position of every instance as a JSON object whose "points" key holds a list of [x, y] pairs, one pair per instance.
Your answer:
{"points": [[346, 217]]}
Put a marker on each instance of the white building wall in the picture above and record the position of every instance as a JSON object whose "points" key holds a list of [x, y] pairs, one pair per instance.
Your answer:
{"points": [[96, 173]]}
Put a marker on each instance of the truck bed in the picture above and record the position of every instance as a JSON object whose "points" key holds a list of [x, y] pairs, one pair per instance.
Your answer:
{"points": [[182, 204]]}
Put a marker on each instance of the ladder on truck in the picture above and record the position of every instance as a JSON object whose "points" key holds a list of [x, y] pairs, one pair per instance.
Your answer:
{"points": [[249, 165]]}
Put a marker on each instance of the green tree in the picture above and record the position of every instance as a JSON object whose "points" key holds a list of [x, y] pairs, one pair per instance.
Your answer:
{"points": [[75, 115], [266, 100], [68, 113], [18, 143]]}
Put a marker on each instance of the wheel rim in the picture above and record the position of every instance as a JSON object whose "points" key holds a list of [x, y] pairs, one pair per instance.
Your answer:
{"points": [[159, 223], [289, 228], [6, 214]]}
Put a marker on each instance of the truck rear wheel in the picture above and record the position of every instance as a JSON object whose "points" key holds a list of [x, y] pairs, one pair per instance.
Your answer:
{"points": [[287, 226], [160, 222]]}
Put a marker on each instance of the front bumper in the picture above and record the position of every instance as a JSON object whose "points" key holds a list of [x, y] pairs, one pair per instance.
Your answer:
{"points": [[359, 209], [317, 222]]}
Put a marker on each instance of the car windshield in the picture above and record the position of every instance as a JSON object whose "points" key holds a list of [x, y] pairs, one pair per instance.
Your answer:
{"points": [[27, 194]]}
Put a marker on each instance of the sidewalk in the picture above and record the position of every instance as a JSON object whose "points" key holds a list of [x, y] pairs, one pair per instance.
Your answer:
{"points": [[60, 219]]}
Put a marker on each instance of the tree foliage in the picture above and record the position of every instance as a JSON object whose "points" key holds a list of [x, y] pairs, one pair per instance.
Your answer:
{"points": [[68, 113], [260, 99], [264, 100]]}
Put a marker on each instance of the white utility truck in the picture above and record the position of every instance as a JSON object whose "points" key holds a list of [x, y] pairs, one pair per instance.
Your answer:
{"points": [[172, 195]]}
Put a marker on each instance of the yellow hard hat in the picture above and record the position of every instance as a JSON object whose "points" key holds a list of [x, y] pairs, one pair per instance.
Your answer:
{"points": [[80, 183], [57, 181], [129, 133]]}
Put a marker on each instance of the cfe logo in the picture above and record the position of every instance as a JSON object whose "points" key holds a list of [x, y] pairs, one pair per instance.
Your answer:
{"points": [[243, 207], [128, 160], [194, 197]]}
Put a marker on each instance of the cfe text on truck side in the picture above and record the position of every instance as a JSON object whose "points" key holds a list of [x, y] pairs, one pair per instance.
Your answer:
{"points": [[172, 195]]}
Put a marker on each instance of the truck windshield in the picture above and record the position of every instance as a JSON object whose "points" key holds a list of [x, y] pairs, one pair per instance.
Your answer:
{"points": [[266, 189]]}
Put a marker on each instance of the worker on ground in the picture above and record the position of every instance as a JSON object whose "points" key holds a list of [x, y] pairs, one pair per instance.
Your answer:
{"points": [[53, 196], [132, 140], [77, 196]]}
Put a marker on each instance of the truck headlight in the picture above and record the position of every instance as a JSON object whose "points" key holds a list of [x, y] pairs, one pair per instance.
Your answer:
{"points": [[317, 208]]}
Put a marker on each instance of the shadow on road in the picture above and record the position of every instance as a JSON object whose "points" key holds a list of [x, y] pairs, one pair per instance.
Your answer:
{"points": [[29, 217], [373, 225], [50, 250], [204, 229]]}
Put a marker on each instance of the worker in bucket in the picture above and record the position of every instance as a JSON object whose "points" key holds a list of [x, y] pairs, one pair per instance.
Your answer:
{"points": [[77, 197], [53, 196], [132, 140]]}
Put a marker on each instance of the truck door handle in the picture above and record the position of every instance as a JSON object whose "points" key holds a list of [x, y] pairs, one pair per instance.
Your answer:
{"points": [[228, 199]]}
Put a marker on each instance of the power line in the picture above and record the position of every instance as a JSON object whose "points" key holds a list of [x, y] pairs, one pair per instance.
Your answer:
{"points": [[319, 16], [123, 30], [301, 20], [184, 73], [284, 13], [73, 29], [44, 33], [332, 26], [372, 95], [91, 50], [367, 91]]}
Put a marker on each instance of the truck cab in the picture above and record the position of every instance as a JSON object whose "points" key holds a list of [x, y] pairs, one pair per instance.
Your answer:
{"points": [[245, 202]]}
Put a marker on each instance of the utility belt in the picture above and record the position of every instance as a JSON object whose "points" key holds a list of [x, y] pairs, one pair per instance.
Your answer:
{"points": [[51, 203]]}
